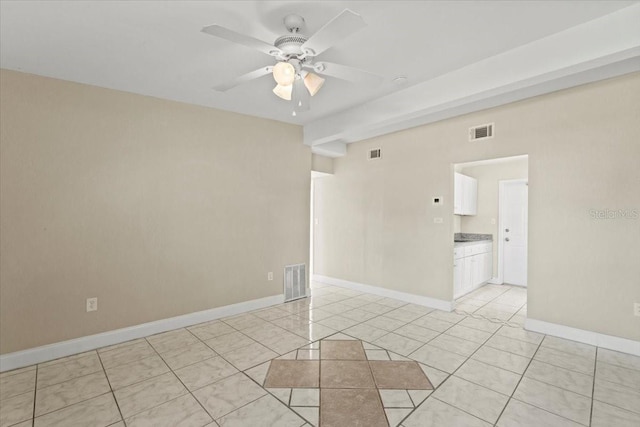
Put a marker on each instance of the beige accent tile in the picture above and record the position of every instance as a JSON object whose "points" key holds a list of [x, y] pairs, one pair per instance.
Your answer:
{"points": [[618, 374], [399, 375], [617, 395], [619, 359], [555, 400], [206, 372], [572, 347], [305, 397], [560, 377], [97, 412], [15, 409], [417, 332], [16, 384], [346, 374], [266, 411], [521, 348], [474, 399], [347, 408], [249, 356], [171, 340], [68, 368], [377, 355], [126, 354], [185, 356], [395, 399], [228, 394], [148, 394], [501, 359], [206, 331], [520, 414], [565, 360], [293, 373], [438, 358], [435, 413], [181, 412], [124, 375], [398, 344], [341, 350], [396, 415], [259, 373], [228, 342], [488, 376], [52, 398], [468, 334], [607, 416]]}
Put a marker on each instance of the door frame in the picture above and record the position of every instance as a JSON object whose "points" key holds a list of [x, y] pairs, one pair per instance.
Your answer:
{"points": [[501, 184]]}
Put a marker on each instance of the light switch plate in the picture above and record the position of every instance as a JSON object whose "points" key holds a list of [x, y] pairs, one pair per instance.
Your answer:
{"points": [[636, 309]]}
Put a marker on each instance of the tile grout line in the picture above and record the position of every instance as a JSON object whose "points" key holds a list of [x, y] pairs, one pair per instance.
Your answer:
{"points": [[35, 395], [593, 386], [104, 371]]}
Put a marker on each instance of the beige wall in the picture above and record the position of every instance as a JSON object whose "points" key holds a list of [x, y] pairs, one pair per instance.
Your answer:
{"points": [[488, 176], [321, 163], [155, 207], [377, 218]]}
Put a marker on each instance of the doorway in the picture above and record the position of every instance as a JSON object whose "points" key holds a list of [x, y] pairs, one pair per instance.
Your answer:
{"points": [[513, 225]]}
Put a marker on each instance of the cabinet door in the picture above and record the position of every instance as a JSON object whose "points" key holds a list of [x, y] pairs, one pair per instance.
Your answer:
{"points": [[458, 190], [488, 266], [467, 277], [476, 270]]}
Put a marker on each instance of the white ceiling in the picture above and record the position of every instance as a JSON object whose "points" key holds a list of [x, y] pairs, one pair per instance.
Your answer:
{"points": [[458, 56]]}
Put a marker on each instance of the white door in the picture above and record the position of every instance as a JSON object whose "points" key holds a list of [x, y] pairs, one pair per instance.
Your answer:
{"points": [[513, 231]]}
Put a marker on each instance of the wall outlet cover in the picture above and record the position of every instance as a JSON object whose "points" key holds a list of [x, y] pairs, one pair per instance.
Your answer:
{"points": [[270, 275], [636, 309], [92, 304]]}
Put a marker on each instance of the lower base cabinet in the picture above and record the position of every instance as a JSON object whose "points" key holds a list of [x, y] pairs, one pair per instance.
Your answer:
{"points": [[472, 267]]}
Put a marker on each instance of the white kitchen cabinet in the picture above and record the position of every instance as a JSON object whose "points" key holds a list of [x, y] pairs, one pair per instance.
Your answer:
{"points": [[472, 267], [465, 195]]}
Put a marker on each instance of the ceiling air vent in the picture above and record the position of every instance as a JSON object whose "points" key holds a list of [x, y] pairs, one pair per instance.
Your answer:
{"points": [[481, 132], [375, 154]]}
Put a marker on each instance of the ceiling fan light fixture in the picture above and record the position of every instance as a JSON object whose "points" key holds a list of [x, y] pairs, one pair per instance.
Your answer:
{"points": [[313, 83], [284, 73], [283, 92]]}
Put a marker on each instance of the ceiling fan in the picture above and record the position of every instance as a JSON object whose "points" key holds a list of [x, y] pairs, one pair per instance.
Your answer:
{"points": [[295, 70]]}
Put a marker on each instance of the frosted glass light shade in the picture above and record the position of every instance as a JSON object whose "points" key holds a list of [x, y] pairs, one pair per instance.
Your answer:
{"points": [[283, 92], [313, 82], [284, 73]]}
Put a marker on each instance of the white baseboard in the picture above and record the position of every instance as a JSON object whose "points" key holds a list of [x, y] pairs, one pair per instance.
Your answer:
{"points": [[48, 352], [495, 281], [384, 292], [588, 337]]}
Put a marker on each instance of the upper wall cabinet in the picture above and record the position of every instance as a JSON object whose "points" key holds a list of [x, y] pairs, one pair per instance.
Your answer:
{"points": [[465, 197]]}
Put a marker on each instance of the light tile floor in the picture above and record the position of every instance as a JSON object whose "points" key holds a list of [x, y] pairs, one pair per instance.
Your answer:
{"points": [[485, 368]]}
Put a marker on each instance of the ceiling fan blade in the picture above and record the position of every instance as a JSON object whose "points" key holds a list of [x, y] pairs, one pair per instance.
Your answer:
{"points": [[244, 78], [343, 25], [227, 34], [347, 73]]}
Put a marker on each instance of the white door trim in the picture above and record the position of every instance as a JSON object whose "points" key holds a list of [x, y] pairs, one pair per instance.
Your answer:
{"points": [[501, 236]]}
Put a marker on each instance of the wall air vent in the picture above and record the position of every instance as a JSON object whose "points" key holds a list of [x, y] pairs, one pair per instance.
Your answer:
{"points": [[481, 132], [375, 154], [295, 282]]}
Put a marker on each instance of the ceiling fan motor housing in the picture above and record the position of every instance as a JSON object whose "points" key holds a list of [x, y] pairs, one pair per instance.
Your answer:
{"points": [[290, 44]]}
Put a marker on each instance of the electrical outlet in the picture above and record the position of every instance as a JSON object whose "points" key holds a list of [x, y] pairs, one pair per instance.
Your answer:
{"points": [[270, 275], [636, 309], [92, 304]]}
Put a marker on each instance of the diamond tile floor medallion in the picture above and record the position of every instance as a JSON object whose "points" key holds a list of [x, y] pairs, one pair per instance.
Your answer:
{"points": [[351, 387]]}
